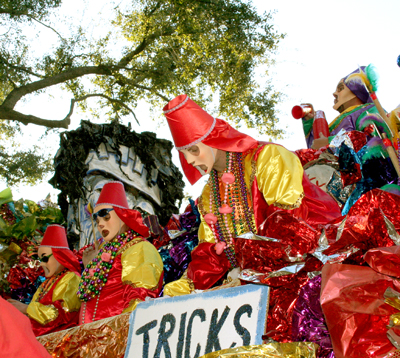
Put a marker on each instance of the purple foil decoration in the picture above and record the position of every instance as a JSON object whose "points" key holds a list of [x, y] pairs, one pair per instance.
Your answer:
{"points": [[308, 323], [187, 220]]}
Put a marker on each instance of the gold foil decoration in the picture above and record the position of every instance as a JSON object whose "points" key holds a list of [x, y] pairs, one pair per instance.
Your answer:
{"points": [[105, 338], [270, 350]]}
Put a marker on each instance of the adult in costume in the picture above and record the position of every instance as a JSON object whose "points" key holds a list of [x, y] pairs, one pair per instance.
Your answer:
{"points": [[356, 111], [253, 187], [127, 268], [54, 306]]}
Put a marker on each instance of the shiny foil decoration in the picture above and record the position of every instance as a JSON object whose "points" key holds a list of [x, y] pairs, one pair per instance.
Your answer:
{"points": [[365, 226], [308, 322], [385, 260], [270, 350], [307, 155], [106, 338], [359, 139], [284, 292], [357, 316], [340, 138]]}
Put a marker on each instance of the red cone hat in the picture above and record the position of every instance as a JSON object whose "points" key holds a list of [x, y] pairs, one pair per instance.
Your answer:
{"points": [[190, 124], [56, 238], [113, 193]]}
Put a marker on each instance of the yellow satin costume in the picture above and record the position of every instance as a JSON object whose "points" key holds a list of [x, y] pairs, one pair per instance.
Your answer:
{"points": [[56, 306], [275, 180], [136, 273]]}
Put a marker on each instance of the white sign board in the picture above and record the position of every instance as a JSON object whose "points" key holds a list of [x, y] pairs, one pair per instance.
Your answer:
{"points": [[193, 325]]}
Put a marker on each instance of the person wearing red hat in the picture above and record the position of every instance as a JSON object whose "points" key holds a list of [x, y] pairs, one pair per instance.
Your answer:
{"points": [[54, 305], [126, 268], [249, 183]]}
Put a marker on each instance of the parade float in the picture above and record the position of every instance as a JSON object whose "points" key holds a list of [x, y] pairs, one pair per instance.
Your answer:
{"points": [[298, 289]]}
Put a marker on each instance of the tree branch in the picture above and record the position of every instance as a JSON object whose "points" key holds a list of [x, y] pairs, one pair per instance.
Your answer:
{"points": [[13, 115], [16, 94], [113, 100], [141, 47], [13, 13], [20, 68], [48, 26], [153, 91]]}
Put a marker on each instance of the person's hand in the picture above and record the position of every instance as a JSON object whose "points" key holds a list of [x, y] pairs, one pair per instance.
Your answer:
{"points": [[90, 253], [320, 142], [311, 114], [18, 305]]}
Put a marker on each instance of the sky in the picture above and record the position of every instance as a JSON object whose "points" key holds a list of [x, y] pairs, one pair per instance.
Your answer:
{"points": [[325, 41]]}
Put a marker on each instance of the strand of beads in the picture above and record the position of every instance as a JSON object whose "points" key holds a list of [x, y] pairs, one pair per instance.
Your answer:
{"points": [[45, 287], [216, 222], [398, 157], [95, 275], [227, 178], [245, 194], [94, 311]]}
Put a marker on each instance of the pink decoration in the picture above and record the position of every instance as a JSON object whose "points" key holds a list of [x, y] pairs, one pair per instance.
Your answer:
{"points": [[210, 219], [91, 272], [105, 256], [220, 247], [228, 178], [225, 209]]}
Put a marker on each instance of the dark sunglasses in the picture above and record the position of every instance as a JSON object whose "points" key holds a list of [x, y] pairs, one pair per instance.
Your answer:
{"points": [[45, 258], [101, 213]]}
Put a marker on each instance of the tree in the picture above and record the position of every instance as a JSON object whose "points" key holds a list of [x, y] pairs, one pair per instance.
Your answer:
{"points": [[154, 51]]}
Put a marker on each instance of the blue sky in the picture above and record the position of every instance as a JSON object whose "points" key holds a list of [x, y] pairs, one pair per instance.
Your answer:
{"points": [[325, 40]]}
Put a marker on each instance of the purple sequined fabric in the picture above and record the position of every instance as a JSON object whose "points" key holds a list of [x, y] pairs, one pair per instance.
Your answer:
{"points": [[308, 323]]}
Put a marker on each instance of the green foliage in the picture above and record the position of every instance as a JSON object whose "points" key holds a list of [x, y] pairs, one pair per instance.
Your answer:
{"points": [[216, 51], [192, 46], [20, 166], [17, 9]]}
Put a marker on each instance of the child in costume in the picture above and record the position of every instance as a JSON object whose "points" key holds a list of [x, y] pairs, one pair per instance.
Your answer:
{"points": [[253, 187], [126, 268], [54, 306]]}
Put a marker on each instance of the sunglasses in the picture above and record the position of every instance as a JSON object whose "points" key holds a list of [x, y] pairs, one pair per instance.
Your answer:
{"points": [[101, 213], [45, 258]]}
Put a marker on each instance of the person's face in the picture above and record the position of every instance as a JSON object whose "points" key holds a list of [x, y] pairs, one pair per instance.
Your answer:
{"points": [[109, 224], [201, 156], [342, 96], [52, 266]]}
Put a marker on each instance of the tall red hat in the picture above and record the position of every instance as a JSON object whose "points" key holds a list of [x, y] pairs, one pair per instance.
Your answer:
{"points": [[190, 124], [113, 193], [56, 238]]}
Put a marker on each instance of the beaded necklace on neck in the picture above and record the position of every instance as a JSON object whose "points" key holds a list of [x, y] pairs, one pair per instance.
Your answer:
{"points": [[95, 275], [234, 203], [45, 287]]}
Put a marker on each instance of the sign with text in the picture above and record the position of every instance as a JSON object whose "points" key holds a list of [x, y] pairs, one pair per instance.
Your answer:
{"points": [[193, 325]]}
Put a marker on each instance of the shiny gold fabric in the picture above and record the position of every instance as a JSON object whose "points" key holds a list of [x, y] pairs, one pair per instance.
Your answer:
{"points": [[141, 265], [275, 168], [180, 287], [270, 350], [106, 338], [132, 305], [273, 171], [64, 291]]}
